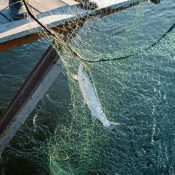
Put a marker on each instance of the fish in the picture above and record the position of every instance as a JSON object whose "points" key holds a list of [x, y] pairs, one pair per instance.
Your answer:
{"points": [[90, 96]]}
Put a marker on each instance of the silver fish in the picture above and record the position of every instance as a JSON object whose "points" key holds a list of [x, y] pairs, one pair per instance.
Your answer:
{"points": [[90, 96]]}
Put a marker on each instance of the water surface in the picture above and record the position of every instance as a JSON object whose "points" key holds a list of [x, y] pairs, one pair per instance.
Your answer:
{"points": [[138, 92]]}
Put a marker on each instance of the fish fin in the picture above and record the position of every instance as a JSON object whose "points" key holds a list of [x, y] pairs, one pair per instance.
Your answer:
{"points": [[75, 77], [113, 125]]}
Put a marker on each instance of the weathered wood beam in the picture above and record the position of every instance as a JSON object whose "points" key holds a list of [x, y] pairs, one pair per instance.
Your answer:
{"points": [[29, 95], [36, 36]]}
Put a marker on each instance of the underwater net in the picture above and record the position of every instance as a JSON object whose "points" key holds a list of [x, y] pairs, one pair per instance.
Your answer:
{"points": [[129, 58]]}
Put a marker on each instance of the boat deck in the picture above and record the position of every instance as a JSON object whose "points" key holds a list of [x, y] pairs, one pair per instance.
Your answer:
{"points": [[37, 6], [52, 13]]}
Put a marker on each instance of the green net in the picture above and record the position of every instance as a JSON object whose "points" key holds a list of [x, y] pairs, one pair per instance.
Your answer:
{"points": [[137, 92]]}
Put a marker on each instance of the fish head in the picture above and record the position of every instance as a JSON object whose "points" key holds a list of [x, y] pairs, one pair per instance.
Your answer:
{"points": [[83, 76], [81, 69]]}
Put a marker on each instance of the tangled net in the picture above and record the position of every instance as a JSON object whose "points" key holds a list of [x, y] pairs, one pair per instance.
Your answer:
{"points": [[138, 92]]}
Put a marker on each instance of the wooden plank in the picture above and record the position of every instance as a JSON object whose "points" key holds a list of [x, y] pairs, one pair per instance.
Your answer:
{"points": [[3, 4], [24, 27], [70, 2], [36, 6], [9, 33], [29, 95], [47, 5], [103, 4], [33, 37], [42, 6]]}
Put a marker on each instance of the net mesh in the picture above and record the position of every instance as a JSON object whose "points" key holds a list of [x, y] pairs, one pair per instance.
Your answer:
{"points": [[138, 92]]}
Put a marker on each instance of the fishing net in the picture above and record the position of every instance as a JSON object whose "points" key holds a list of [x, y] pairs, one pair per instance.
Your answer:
{"points": [[132, 70]]}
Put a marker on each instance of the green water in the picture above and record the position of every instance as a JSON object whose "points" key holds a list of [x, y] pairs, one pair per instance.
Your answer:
{"points": [[138, 92]]}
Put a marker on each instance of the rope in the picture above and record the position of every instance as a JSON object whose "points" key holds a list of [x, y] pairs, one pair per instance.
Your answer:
{"points": [[61, 41], [136, 54], [51, 32]]}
